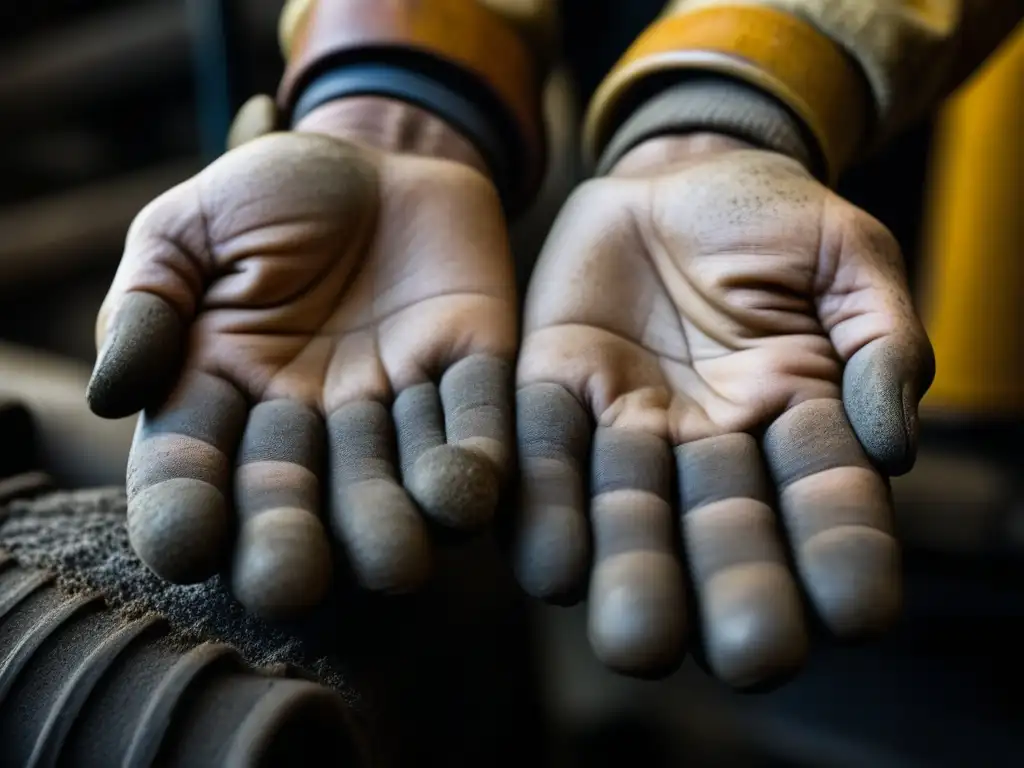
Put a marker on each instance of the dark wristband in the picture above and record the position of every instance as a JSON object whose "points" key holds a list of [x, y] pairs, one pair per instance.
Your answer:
{"points": [[398, 82]]}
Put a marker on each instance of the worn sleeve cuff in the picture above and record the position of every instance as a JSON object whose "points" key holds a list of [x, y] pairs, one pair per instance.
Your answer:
{"points": [[718, 105], [772, 51]]}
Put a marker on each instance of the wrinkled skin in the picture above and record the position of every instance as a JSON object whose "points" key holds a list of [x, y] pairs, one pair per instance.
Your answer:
{"points": [[322, 335], [710, 337], [321, 332]]}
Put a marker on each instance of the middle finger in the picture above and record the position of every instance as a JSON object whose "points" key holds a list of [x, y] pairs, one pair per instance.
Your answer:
{"points": [[637, 606], [282, 560]]}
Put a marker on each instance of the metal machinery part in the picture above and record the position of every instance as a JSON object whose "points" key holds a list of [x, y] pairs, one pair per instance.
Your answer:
{"points": [[83, 686]]}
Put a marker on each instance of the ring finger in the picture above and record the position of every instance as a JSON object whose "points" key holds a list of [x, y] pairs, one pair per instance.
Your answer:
{"points": [[753, 626], [637, 604]]}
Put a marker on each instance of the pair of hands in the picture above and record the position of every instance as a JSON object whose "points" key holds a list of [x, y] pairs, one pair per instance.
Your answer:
{"points": [[710, 337]]}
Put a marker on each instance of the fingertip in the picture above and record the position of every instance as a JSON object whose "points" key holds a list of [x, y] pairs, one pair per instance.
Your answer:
{"points": [[384, 537], [852, 573], [883, 384], [495, 452], [179, 529], [637, 614], [455, 487], [139, 357], [552, 547], [903, 461], [754, 632], [552, 551], [282, 563]]}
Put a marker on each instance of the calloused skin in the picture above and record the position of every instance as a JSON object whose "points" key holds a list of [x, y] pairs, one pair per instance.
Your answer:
{"points": [[711, 336], [321, 327]]}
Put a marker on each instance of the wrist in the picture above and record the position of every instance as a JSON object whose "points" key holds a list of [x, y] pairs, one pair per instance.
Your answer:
{"points": [[464, 63], [393, 126], [705, 106], [660, 151]]}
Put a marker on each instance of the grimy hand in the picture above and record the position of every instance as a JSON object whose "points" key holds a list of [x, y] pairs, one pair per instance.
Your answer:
{"points": [[312, 325], [712, 335]]}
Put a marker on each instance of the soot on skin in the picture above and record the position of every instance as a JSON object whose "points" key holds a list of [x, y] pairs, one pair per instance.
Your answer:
{"points": [[381, 531], [139, 357], [838, 513], [637, 600], [454, 441], [282, 560], [179, 477], [552, 538], [753, 625], [179, 529], [882, 384], [455, 487]]}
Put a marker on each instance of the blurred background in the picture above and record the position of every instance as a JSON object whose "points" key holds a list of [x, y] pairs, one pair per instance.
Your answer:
{"points": [[107, 103]]}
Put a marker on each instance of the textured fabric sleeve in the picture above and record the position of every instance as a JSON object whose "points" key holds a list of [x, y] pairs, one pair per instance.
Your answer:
{"points": [[913, 52], [854, 71], [715, 104]]}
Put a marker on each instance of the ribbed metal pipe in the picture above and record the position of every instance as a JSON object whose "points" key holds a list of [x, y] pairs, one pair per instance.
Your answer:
{"points": [[81, 687]]}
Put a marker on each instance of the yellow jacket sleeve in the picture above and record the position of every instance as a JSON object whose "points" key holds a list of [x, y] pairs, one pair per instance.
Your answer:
{"points": [[854, 71]]}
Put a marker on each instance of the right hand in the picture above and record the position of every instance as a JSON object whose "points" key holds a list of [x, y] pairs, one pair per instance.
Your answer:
{"points": [[711, 332], [328, 300]]}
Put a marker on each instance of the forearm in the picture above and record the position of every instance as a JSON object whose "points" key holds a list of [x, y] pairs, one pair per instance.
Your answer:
{"points": [[852, 72], [477, 70]]}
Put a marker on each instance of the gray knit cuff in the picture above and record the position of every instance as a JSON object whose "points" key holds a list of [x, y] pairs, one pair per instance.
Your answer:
{"points": [[719, 105]]}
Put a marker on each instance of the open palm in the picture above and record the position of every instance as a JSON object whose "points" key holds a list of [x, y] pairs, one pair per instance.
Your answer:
{"points": [[347, 326], [716, 335]]}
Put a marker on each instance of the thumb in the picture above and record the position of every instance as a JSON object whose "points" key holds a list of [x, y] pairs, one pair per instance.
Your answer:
{"points": [[882, 386], [257, 117], [869, 312], [142, 324]]}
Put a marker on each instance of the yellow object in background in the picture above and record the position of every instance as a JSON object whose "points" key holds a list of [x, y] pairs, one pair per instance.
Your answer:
{"points": [[974, 244]]}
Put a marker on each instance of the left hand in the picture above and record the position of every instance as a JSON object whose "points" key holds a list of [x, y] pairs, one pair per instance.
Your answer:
{"points": [[704, 311], [320, 324]]}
